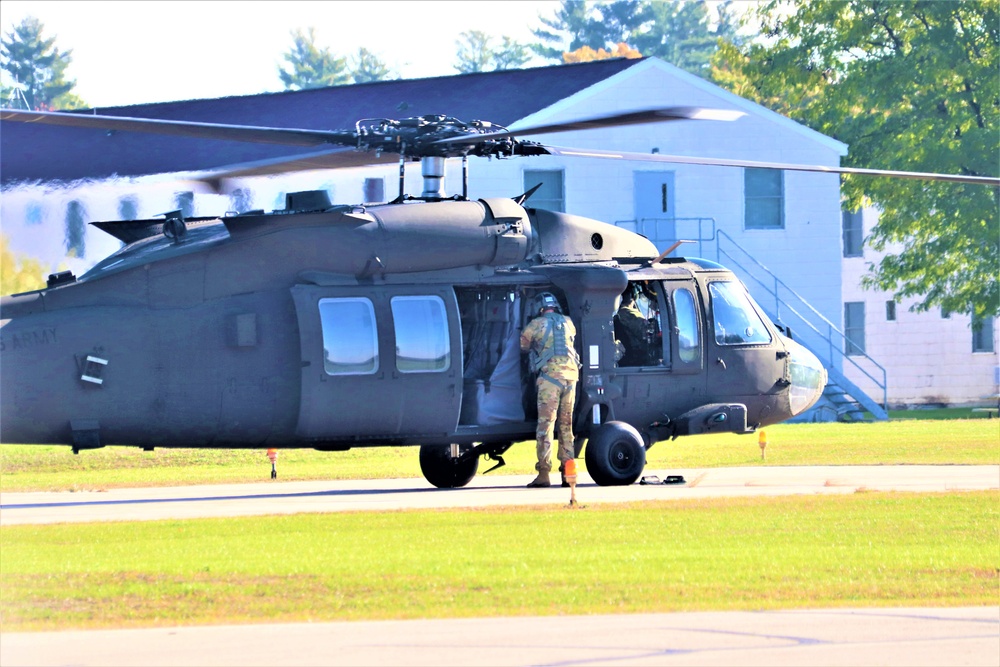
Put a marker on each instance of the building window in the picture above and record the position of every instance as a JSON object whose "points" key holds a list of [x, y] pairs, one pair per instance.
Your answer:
{"points": [[35, 214], [350, 339], [128, 207], [422, 340], [184, 201], [945, 313], [550, 196], [76, 230], [240, 200], [982, 334], [854, 234], [854, 327], [374, 190], [764, 199], [890, 311]]}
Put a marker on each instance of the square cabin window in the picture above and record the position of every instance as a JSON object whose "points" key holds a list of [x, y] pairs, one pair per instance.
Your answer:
{"points": [[551, 195], [423, 344], [350, 339], [763, 199]]}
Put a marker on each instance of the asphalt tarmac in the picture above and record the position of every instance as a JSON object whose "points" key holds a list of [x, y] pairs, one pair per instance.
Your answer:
{"points": [[867, 636], [278, 497]]}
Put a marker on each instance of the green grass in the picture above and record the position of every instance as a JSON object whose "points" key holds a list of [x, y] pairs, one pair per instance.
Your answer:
{"points": [[866, 549], [25, 467], [52, 468]]}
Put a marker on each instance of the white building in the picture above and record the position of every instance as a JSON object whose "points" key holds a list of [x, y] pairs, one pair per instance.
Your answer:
{"points": [[931, 358]]}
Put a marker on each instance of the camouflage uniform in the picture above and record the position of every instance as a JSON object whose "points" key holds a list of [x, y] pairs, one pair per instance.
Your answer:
{"points": [[630, 327], [556, 383]]}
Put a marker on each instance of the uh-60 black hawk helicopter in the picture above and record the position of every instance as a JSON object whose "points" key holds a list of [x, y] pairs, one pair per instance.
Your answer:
{"points": [[333, 327]]}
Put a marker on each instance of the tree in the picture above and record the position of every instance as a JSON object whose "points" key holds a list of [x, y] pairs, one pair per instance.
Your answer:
{"points": [[18, 273], [476, 53], [586, 54], [366, 67], [37, 67], [680, 32], [910, 86], [310, 65]]}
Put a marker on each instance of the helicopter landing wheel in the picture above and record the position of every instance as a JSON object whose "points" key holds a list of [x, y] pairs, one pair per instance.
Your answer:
{"points": [[615, 454], [444, 471]]}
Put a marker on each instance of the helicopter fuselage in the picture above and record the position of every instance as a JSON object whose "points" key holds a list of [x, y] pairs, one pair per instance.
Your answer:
{"points": [[391, 324]]}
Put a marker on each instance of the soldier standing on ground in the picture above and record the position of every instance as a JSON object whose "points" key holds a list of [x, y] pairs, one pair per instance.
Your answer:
{"points": [[549, 340]]}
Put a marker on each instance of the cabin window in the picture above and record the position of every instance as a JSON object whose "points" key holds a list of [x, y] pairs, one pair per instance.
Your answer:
{"points": [[550, 196], [854, 236], [764, 199], [736, 320], [423, 344], [854, 327], [638, 326], [350, 339], [687, 326], [982, 334]]}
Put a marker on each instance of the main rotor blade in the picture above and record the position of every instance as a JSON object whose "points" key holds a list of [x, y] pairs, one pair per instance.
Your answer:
{"points": [[248, 133], [719, 162], [597, 122], [330, 158]]}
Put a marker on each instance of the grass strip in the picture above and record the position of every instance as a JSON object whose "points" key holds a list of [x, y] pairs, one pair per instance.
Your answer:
{"points": [[865, 549], [55, 468]]}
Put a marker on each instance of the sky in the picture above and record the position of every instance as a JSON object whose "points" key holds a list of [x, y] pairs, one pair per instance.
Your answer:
{"points": [[155, 51]]}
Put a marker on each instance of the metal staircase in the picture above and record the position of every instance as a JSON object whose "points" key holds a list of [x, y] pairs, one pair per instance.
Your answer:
{"points": [[842, 400]]}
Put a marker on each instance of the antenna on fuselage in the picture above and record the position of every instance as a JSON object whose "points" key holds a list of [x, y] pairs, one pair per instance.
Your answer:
{"points": [[669, 250]]}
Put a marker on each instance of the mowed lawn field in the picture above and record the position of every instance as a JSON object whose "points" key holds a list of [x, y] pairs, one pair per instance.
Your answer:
{"points": [[864, 549]]}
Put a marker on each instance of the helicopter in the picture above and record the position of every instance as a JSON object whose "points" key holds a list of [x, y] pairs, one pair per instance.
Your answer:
{"points": [[394, 324]]}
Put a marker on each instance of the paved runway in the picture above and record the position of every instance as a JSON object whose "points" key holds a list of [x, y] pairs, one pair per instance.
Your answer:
{"points": [[911, 637], [927, 636], [277, 497]]}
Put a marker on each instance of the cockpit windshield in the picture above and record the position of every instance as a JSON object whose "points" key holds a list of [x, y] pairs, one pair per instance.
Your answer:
{"points": [[736, 320]]}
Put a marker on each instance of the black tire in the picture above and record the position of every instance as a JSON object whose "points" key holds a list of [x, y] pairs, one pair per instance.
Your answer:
{"points": [[445, 472], [615, 454]]}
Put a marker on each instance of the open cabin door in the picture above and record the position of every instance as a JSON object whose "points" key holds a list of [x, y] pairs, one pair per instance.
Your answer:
{"points": [[379, 362]]}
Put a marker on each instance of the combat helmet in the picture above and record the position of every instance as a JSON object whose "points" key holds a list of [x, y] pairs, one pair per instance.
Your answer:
{"points": [[547, 300]]}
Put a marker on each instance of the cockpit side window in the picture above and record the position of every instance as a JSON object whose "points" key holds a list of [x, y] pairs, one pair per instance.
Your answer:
{"points": [[688, 346], [736, 320]]}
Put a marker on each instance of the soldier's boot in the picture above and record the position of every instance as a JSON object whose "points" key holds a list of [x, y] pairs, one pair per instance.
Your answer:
{"points": [[562, 473], [540, 481]]}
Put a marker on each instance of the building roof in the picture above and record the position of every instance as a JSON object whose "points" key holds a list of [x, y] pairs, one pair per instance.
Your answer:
{"points": [[30, 152]]}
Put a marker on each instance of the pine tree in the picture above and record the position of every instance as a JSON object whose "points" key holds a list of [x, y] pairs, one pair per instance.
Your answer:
{"points": [[37, 67], [310, 65]]}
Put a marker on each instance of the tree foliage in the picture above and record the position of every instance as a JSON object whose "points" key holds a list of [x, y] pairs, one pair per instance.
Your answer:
{"points": [[18, 273], [911, 86], [586, 54], [310, 66], [682, 32], [478, 53], [37, 67], [367, 67]]}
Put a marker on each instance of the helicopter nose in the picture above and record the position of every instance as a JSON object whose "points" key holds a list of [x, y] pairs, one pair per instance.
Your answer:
{"points": [[808, 377]]}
